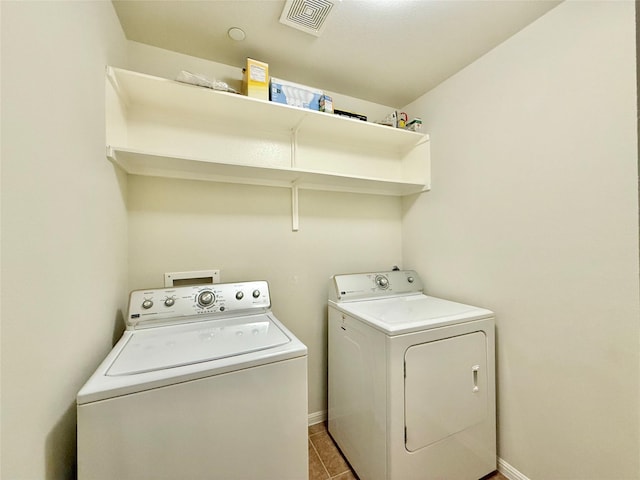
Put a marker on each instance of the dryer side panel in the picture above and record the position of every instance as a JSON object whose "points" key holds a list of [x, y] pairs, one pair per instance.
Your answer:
{"points": [[357, 387], [445, 388]]}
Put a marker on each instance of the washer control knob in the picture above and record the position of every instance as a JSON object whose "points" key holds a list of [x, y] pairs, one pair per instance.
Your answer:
{"points": [[206, 298], [147, 304], [410, 279], [382, 281], [239, 295], [169, 302], [256, 293]]}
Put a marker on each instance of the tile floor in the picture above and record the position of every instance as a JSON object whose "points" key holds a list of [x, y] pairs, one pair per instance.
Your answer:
{"points": [[325, 460], [327, 463]]}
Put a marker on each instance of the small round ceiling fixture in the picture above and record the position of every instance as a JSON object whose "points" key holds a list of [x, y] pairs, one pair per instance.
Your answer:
{"points": [[236, 34]]}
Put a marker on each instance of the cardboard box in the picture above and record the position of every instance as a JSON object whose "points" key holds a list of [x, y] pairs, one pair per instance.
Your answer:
{"points": [[294, 94], [255, 79], [326, 104], [415, 125]]}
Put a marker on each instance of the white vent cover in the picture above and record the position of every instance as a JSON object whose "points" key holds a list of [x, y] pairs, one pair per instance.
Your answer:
{"points": [[307, 15]]}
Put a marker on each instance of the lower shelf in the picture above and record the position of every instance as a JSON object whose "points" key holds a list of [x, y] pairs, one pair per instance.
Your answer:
{"points": [[138, 162]]}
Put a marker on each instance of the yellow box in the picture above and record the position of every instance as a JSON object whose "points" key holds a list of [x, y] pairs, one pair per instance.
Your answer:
{"points": [[255, 79]]}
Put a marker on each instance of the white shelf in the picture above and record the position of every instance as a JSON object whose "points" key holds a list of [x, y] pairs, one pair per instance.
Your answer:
{"points": [[164, 128], [136, 162], [250, 113]]}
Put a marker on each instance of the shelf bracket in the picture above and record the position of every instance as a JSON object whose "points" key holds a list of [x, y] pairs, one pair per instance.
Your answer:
{"points": [[295, 224], [294, 147], [121, 92]]}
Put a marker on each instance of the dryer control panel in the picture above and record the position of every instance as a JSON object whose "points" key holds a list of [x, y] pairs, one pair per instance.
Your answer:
{"points": [[162, 306], [359, 286]]}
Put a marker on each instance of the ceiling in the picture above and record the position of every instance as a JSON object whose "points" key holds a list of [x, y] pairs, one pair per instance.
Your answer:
{"points": [[386, 51]]}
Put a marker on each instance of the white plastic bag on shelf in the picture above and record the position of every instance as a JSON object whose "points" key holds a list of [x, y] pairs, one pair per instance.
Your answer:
{"points": [[202, 81]]}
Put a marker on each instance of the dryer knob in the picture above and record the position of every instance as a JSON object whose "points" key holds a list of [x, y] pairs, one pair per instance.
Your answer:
{"points": [[169, 302], [382, 281], [256, 293], [239, 296], [410, 279], [147, 304]]}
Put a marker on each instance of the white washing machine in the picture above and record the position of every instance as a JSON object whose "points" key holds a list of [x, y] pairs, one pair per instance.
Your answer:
{"points": [[411, 380], [205, 383]]}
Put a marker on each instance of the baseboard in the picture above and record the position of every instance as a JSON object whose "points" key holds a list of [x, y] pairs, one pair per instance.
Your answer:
{"points": [[317, 417], [510, 472]]}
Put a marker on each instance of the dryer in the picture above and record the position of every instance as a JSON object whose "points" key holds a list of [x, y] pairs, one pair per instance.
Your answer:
{"points": [[205, 383], [411, 380]]}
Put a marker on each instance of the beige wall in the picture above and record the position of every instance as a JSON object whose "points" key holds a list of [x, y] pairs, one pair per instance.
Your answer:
{"points": [[534, 213], [246, 231], [163, 63], [64, 223], [177, 225], [63, 226]]}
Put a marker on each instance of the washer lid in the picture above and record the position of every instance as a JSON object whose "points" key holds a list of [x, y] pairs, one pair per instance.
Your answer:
{"points": [[174, 346], [411, 313], [103, 386]]}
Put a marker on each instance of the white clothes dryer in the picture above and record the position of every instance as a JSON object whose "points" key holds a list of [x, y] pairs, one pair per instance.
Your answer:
{"points": [[411, 380], [205, 383]]}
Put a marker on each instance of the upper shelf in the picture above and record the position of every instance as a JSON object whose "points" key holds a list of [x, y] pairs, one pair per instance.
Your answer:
{"points": [[250, 113]]}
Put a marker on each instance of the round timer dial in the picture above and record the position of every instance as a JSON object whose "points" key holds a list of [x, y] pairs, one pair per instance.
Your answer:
{"points": [[382, 282], [206, 298]]}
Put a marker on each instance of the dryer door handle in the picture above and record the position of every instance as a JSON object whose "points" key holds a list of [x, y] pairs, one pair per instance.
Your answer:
{"points": [[474, 372]]}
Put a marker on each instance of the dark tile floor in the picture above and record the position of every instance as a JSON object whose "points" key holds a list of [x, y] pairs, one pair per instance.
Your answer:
{"points": [[326, 462]]}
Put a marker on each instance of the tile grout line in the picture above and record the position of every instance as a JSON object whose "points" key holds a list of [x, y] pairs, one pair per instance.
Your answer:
{"points": [[319, 457], [349, 469], [341, 473]]}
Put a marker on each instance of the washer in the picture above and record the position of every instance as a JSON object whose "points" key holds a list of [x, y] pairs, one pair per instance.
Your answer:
{"points": [[205, 383], [411, 380]]}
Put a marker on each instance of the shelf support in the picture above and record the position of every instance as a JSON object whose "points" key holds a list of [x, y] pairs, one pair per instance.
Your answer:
{"points": [[294, 147], [295, 224], [121, 92]]}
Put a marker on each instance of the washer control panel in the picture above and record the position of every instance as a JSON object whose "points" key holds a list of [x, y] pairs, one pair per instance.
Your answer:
{"points": [[161, 306], [358, 286]]}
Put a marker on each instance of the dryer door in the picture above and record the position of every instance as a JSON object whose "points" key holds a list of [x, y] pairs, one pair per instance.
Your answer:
{"points": [[445, 388]]}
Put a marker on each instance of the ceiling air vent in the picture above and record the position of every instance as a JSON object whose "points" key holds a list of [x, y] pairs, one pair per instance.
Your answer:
{"points": [[307, 15]]}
